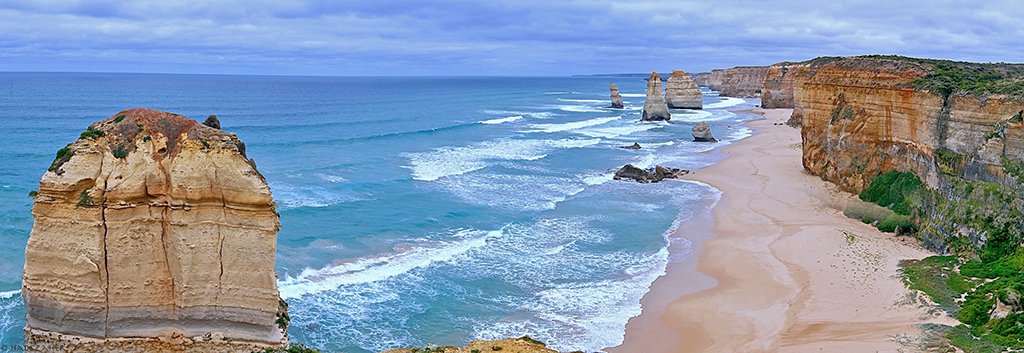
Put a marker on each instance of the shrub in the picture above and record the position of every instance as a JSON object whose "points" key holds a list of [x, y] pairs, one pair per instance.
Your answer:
{"points": [[895, 190], [33, 194], [531, 340], [63, 155], [84, 199], [897, 223], [120, 152], [866, 212], [91, 133], [975, 310], [119, 118]]}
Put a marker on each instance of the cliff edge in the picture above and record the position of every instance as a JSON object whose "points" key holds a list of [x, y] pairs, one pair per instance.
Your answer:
{"points": [[153, 233]]}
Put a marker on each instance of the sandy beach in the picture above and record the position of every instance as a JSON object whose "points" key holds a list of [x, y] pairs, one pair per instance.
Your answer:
{"points": [[783, 269]]}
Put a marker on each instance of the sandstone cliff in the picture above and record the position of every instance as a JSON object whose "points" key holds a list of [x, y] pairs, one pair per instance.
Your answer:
{"points": [[655, 107], [949, 123], [777, 87], [740, 81], [701, 78], [153, 233], [615, 97], [681, 92]]}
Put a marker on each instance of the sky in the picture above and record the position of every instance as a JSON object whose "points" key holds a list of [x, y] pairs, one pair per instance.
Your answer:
{"points": [[477, 37]]}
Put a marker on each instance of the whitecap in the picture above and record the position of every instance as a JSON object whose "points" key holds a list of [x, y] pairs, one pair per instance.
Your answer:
{"points": [[578, 108], [727, 102], [446, 161], [583, 100], [617, 131], [502, 120], [9, 294], [333, 178], [381, 267], [549, 128], [633, 95], [507, 191]]}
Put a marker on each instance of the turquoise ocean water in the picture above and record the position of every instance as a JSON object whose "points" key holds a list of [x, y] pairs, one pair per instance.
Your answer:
{"points": [[414, 210]]}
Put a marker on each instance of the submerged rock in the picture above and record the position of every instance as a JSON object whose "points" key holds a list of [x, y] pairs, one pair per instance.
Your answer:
{"points": [[650, 175], [616, 97], [153, 233], [655, 108], [681, 92], [702, 133], [634, 146]]}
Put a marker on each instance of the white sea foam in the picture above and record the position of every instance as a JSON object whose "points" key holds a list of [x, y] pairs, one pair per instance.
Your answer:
{"points": [[617, 131], [692, 115], [598, 179], [506, 191], [382, 267], [571, 125], [502, 120], [448, 161], [535, 115], [333, 178], [291, 196], [583, 100], [727, 102], [578, 108], [633, 95], [9, 294]]}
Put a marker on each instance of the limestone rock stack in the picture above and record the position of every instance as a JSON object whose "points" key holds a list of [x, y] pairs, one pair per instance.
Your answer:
{"points": [[702, 133], [681, 92], [655, 108], [616, 97], [153, 233]]}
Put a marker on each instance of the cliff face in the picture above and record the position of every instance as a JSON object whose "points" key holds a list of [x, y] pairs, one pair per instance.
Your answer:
{"points": [[153, 233], [655, 107], [777, 87], [701, 79], [740, 81], [865, 116], [681, 92]]}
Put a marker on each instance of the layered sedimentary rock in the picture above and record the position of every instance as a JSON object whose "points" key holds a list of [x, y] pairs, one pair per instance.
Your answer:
{"points": [[153, 233], [864, 116], [616, 97], [701, 78], [777, 87], [740, 81], [655, 107], [702, 133], [681, 92]]}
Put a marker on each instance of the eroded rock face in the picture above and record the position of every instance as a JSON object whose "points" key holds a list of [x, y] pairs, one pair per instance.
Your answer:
{"points": [[777, 87], [152, 233], [681, 92], [655, 108], [616, 97], [740, 81], [702, 133], [651, 175], [701, 78], [860, 119]]}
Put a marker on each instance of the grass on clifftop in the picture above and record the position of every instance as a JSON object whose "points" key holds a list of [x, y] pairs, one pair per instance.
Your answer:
{"points": [[950, 77]]}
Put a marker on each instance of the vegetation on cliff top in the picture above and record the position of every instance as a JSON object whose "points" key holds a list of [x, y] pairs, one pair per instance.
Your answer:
{"points": [[948, 77]]}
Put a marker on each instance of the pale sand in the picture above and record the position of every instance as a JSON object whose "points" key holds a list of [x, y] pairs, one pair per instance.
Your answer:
{"points": [[784, 270]]}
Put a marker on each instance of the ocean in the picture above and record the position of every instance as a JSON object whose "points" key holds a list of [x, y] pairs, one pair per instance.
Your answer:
{"points": [[414, 210]]}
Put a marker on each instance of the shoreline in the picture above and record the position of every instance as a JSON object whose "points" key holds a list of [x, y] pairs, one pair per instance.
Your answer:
{"points": [[779, 267]]}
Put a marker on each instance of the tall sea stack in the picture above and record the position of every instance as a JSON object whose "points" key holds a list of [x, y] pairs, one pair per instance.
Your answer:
{"points": [[655, 108], [681, 92], [153, 233], [616, 97]]}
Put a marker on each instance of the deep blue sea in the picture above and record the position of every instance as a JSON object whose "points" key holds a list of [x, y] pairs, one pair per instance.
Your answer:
{"points": [[414, 210]]}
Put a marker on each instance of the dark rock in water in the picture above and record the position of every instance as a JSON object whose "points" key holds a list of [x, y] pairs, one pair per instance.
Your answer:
{"points": [[702, 133], [212, 121], [616, 98], [652, 175], [634, 146]]}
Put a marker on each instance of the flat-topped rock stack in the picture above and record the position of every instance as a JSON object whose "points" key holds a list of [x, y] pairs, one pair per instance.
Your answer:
{"points": [[655, 108], [153, 233], [681, 92]]}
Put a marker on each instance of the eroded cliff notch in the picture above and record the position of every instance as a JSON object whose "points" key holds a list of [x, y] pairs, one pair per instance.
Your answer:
{"points": [[153, 233]]}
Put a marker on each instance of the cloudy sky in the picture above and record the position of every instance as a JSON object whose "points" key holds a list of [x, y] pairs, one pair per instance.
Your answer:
{"points": [[477, 37]]}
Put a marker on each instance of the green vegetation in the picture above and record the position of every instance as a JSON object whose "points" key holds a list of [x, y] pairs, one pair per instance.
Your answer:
{"points": [[120, 152], [895, 190], [531, 340], [84, 199], [1014, 168], [935, 277], [91, 133], [119, 118], [63, 156], [146, 138], [949, 162], [1017, 118], [496, 348], [33, 194], [897, 223], [283, 319]]}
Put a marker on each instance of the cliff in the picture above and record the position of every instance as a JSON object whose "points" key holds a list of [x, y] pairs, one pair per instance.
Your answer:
{"points": [[701, 78], [153, 233], [777, 87], [955, 125], [740, 81], [681, 92], [655, 107]]}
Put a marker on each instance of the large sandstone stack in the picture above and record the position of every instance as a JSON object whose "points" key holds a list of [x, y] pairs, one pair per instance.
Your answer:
{"points": [[655, 107], [616, 97], [681, 92], [153, 233]]}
